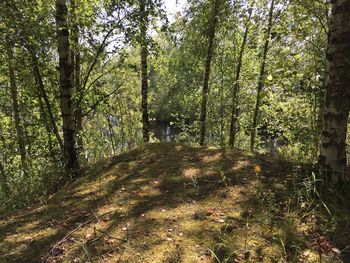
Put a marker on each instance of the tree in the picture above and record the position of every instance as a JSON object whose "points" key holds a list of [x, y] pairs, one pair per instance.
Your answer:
{"points": [[143, 14], [16, 110], [76, 60], [66, 88], [236, 85], [4, 181], [261, 76], [43, 96], [197, 77], [332, 159], [212, 26]]}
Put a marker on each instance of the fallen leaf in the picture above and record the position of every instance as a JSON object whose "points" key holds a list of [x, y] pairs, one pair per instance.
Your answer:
{"points": [[210, 211]]}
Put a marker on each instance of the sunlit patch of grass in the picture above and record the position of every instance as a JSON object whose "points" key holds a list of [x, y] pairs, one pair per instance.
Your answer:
{"points": [[20, 241], [169, 203], [178, 147], [240, 165], [29, 226], [211, 157], [275, 222], [191, 172]]}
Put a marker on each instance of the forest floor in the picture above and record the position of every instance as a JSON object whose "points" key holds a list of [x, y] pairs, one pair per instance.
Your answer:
{"points": [[174, 203]]}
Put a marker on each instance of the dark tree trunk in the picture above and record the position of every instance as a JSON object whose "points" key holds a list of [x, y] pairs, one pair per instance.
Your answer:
{"points": [[144, 70], [16, 112], [332, 160], [111, 135], [121, 119], [210, 52], [261, 78], [236, 87], [66, 87], [4, 181], [78, 111], [46, 123], [76, 78], [43, 95], [222, 100]]}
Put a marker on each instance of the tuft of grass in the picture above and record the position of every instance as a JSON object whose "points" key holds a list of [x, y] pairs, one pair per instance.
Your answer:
{"points": [[176, 203]]}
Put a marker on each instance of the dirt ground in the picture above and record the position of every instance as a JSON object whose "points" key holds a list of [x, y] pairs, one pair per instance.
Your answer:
{"points": [[172, 203]]}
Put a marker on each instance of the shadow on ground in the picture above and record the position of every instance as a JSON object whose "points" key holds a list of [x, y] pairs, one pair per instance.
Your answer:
{"points": [[161, 203]]}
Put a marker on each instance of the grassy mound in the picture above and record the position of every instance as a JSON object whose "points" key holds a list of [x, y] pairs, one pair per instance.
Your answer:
{"points": [[173, 203]]}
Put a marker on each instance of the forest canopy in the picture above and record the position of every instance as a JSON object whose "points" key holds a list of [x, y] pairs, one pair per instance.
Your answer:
{"points": [[174, 131], [85, 80]]}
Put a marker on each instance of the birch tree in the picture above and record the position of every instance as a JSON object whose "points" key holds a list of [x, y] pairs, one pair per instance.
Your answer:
{"points": [[332, 160], [66, 88]]}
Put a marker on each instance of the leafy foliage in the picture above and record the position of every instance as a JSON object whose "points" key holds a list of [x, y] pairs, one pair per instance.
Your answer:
{"points": [[109, 96]]}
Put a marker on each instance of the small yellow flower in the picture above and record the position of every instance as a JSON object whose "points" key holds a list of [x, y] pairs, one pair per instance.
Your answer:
{"points": [[257, 169]]}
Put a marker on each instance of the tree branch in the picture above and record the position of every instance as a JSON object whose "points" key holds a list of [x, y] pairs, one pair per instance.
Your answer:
{"points": [[103, 99]]}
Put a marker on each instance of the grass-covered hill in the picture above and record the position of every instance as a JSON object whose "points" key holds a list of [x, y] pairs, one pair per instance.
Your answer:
{"points": [[175, 203]]}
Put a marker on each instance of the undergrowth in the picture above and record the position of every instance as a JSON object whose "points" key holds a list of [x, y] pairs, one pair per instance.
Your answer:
{"points": [[175, 203], [294, 215]]}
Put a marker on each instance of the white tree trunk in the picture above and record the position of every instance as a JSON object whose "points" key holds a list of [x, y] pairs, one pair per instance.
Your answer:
{"points": [[332, 161]]}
